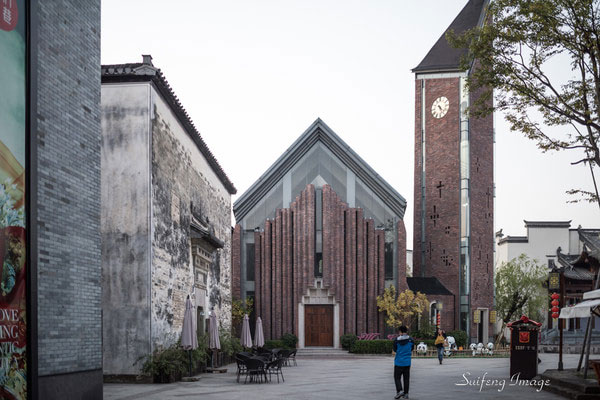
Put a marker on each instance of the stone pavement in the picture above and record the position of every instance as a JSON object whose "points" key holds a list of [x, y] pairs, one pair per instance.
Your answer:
{"points": [[357, 378]]}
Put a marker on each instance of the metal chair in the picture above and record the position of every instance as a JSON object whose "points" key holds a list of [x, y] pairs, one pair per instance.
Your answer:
{"points": [[284, 354], [274, 367], [241, 367], [255, 369], [292, 357]]}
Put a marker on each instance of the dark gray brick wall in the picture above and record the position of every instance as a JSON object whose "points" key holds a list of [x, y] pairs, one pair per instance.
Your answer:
{"points": [[68, 163]]}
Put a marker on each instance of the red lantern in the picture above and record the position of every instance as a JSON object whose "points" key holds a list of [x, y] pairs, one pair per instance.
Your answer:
{"points": [[555, 296], [555, 309], [555, 315], [555, 303]]}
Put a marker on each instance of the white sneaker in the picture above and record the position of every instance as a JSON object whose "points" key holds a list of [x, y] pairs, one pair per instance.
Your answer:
{"points": [[398, 395]]}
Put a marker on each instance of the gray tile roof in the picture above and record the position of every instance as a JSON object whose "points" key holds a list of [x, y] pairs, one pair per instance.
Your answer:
{"points": [[146, 72], [547, 224], [573, 269], [444, 58], [513, 239]]}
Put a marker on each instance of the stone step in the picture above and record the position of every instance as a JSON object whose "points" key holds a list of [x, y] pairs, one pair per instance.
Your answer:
{"points": [[330, 352], [569, 384], [570, 393]]}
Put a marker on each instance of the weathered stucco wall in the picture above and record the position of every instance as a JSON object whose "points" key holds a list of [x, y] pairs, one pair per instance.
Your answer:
{"points": [[125, 226], [182, 183]]}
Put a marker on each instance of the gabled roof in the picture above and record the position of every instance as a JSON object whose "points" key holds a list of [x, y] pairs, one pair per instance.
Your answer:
{"points": [[591, 239], [428, 285], [547, 224], [572, 267], [444, 58], [319, 132], [513, 239], [146, 72]]}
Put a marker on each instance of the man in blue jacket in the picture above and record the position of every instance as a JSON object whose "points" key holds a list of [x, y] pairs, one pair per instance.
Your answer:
{"points": [[403, 346]]}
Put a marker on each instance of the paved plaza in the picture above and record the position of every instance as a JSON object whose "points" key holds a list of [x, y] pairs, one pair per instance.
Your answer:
{"points": [[354, 378]]}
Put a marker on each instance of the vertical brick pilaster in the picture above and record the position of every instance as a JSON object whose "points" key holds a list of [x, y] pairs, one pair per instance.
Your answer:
{"points": [[381, 272], [402, 285], [294, 270], [340, 263], [360, 273], [311, 237], [276, 285], [236, 262], [288, 272], [268, 288], [350, 291], [257, 274], [371, 278], [417, 184]]}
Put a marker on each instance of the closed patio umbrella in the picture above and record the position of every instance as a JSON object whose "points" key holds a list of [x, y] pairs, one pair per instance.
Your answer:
{"points": [[246, 339], [213, 332], [189, 340], [213, 336], [259, 336]]}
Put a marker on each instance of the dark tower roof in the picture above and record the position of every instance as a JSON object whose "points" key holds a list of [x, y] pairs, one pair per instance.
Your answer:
{"points": [[444, 58]]}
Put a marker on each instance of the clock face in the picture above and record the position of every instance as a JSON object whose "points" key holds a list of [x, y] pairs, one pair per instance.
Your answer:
{"points": [[440, 106]]}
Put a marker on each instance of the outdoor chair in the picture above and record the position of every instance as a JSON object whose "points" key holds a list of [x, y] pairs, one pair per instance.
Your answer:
{"points": [[292, 357], [241, 367], [268, 354], [255, 369], [284, 355], [274, 367]]}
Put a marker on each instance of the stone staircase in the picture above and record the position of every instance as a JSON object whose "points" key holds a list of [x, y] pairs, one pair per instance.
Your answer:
{"points": [[330, 352], [570, 385]]}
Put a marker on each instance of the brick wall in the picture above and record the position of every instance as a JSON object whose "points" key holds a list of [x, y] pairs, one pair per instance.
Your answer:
{"points": [[442, 195], [68, 207], [482, 213], [236, 262], [353, 264]]}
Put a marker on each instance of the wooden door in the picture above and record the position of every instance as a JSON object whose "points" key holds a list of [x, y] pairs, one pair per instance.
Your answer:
{"points": [[318, 325]]}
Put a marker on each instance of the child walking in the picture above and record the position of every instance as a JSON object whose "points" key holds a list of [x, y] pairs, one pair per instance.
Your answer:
{"points": [[403, 346]]}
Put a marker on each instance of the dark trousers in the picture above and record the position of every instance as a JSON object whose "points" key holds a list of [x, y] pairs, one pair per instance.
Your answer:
{"points": [[440, 351], [400, 372]]}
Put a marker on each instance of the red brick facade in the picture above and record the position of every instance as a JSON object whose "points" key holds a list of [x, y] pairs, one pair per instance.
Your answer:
{"points": [[442, 209], [353, 264], [236, 262]]}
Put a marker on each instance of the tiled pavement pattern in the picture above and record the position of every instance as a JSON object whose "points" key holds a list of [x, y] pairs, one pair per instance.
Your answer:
{"points": [[355, 378]]}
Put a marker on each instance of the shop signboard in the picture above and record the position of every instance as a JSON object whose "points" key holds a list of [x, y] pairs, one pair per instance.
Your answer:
{"points": [[13, 131]]}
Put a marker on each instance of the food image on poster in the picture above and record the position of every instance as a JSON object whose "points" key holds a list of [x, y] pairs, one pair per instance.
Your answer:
{"points": [[13, 246]]}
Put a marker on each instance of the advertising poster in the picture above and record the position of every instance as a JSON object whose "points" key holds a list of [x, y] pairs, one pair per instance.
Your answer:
{"points": [[13, 285]]}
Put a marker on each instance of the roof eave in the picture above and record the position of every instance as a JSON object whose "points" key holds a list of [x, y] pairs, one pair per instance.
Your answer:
{"points": [[318, 131], [110, 74]]}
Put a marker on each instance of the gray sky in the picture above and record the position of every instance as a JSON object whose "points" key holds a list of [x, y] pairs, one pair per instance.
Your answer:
{"points": [[253, 75]]}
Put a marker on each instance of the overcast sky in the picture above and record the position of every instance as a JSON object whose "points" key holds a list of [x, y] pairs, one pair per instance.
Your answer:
{"points": [[253, 75]]}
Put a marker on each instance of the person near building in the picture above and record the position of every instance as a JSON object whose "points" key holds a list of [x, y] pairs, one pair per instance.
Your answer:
{"points": [[403, 346], [440, 341]]}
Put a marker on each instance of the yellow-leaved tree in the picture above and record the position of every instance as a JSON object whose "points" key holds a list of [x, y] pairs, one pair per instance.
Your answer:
{"points": [[400, 308]]}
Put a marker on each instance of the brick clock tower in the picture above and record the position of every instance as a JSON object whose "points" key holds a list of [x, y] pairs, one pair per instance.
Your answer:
{"points": [[454, 186]]}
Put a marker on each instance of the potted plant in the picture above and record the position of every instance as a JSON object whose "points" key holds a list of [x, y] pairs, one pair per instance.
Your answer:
{"points": [[165, 365]]}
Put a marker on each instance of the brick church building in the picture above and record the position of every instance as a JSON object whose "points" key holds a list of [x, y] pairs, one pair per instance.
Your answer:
{"points": [[454, 188], [320, 234], [318, 237]]}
